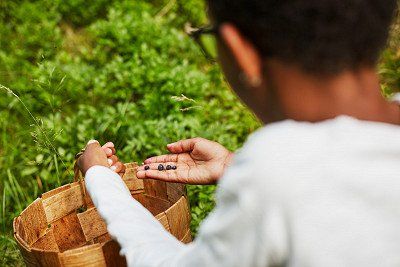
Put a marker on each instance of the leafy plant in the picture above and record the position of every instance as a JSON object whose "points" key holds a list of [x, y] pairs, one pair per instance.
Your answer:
{"points": [[115, 70], [123, 71]]}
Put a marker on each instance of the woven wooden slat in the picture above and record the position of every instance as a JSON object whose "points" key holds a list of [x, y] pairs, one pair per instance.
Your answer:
{"points": [[87, 200], [155, 188], [68, 232], [64, 229], [134, 184], [46, 258], [177, 218], [111, 254], [26, 252], [92, 224], [187, 238], [102, 239], [90, 256], [175, 191], [130, 171], [55, 191], [47, 242], [162, 218], [155, 205], [33, 222], [63, 203]]}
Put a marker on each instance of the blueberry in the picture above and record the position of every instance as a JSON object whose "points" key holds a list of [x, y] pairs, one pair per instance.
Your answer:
{"points": [[160, 167], [173, 167], [147, 167], [168, 167]]}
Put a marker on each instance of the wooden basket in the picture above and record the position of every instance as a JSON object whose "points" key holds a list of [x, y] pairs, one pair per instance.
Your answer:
{"points": [[63, 228]]}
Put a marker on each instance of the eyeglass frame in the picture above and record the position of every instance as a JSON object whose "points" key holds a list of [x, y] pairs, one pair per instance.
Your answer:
{"points": [[196, 33]]}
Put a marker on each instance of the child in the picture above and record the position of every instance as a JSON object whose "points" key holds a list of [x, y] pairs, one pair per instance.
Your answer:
{"points": [[319, 185]]}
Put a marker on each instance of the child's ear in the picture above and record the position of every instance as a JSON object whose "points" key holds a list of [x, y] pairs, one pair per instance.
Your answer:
{"points": [[246, 55]]}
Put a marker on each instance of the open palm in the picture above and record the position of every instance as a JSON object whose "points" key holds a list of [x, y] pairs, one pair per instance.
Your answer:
{"points": [[197, 161]]}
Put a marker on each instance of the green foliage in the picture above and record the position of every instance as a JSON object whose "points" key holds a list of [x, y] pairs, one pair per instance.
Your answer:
{"points": [[390, 72], [10, 255], [123, 71], [115, 70]]}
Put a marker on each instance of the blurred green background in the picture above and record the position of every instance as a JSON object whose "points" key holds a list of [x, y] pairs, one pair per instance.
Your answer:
{"points": [[116, 70]]}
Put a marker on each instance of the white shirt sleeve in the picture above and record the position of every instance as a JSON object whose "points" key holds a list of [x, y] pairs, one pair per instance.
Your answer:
{"points": [[237, 233]]}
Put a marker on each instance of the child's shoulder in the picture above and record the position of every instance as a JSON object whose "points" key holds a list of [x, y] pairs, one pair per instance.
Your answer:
{"points": [[283, 137]]}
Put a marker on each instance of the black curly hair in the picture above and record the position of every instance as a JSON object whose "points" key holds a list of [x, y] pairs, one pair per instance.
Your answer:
{"points": [[323, 37]]}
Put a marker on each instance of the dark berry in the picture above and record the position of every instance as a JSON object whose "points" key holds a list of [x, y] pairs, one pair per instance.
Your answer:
{"points": [[168, 167], [173, 167], [160, 167], [147, 167]]}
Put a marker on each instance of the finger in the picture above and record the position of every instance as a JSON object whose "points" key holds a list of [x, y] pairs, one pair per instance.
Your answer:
{"points": [[162, 159], [108, 145], [117, 167], [109, 151], [154, 166], [108, 148], [181, 146], [92, 144], [112, 160], [168, 176]]}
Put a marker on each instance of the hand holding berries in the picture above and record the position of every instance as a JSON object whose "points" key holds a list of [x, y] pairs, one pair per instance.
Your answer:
{"points": [[192, 161]]}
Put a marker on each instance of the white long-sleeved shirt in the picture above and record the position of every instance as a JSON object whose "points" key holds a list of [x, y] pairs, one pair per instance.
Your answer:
{"points": [[297, 194]]}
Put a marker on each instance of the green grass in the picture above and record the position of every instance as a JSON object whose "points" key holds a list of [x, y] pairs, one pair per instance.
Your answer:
{"points": [[115, 70], [123, 71]]}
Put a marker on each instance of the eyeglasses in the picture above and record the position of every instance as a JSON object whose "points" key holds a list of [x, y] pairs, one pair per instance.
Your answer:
{"points": [[205, 37]]}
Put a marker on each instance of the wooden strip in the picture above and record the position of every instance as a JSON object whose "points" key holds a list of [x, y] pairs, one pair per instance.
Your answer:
{"points": [[155, 188], [102, 239], [188, 215], [63, 203], [36, 257], [18, 228], [177, 218], [155, 205], [88, 256], [26, 253], [139, 197], [87, 200], [34, 223], [187, 238], [47, 242], [130, 171], [131, 165], [134, 184], [162, 218], [46, 258], [135, 192], [68, 232], [21, 242], [55, 191], [111, 254], [175, 191], [92, 224]]}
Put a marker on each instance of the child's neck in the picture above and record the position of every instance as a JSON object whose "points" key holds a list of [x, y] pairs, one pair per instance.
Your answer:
{"points": [[356, 94]]}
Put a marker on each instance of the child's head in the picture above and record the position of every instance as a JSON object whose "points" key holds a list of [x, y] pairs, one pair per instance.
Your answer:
{"points": [[321, 39]]}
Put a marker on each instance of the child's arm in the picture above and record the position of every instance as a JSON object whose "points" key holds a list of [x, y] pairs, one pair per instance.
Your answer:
{"points": [[133, 226], [238, 232]]}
